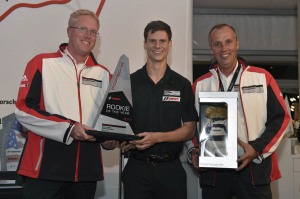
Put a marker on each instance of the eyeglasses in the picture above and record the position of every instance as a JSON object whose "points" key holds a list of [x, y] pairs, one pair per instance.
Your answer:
{"points": [[85, 30]]}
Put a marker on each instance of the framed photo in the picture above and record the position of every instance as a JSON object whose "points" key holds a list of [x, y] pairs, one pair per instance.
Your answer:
{"points": [[218, 129]]}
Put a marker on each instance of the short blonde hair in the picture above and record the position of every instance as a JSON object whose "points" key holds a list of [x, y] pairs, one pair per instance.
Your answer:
{"points": [[74, 16]]}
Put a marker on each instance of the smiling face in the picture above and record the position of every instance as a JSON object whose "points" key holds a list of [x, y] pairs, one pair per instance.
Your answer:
{"points": [[224, 46], [81, 43], [157, 46]]}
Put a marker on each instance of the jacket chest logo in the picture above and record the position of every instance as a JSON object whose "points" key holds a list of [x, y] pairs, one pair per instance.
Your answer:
{"points": [[253, 89], [92, 82]]}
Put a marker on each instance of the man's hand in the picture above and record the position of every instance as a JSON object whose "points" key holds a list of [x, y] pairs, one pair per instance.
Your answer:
{"points": [[110, 144], [124, 146], [249, 155], [149, 140], [78, 133], [195, 157]]}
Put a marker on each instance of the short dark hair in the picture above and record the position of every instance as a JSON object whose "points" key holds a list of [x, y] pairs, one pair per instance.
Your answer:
{"points": [[219, 26], [154, 26]]}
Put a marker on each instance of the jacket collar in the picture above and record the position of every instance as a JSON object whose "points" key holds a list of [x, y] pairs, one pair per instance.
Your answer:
{"points": [[91, 61]]}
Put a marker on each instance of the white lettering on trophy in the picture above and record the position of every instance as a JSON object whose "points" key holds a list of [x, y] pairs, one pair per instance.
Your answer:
{"points": [[117, 109]]}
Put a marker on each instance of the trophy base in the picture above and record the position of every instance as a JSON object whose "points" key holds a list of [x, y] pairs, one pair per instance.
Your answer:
{"points": [[102, 136]]}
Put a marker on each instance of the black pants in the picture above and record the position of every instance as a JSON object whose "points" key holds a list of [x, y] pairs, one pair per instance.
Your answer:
{"points": [[229, 183], [160, 181], [46, 189]]}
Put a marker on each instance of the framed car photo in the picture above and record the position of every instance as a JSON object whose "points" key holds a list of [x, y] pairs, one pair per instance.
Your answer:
{"points": [[218, 129]]}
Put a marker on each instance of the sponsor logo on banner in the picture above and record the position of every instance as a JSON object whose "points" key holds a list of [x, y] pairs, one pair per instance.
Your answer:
{"points": [[7, 101], [171, 93], [170, 99], [6, 7]]}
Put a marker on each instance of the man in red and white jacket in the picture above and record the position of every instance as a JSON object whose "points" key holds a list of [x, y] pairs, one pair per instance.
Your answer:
{"points": [[262, 119], [58, 99]]}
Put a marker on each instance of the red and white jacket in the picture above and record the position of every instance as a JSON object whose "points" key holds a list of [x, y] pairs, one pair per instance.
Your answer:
{"points": [[53, 97], [265, 115]]}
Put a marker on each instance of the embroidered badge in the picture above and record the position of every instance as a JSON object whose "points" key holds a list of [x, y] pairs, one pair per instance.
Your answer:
{"points": [[170, 99], [171, 93]]}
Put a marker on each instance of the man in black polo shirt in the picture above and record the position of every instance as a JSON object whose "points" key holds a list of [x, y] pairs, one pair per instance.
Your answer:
{"points": [[164, 115]]}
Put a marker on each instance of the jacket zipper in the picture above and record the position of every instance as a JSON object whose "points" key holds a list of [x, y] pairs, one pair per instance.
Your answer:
{"points": [[37, 166], [251, 171], [80, 114]]}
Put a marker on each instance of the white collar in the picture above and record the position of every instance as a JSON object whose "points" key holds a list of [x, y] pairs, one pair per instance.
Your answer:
{"points": [[69, 54]]}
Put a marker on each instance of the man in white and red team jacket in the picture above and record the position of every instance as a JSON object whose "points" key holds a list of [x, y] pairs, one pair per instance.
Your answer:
{"points": [[58, 99], [262, 119]]}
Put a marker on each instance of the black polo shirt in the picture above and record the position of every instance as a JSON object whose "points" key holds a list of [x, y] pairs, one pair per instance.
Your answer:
{"points": [[161, 107]]}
